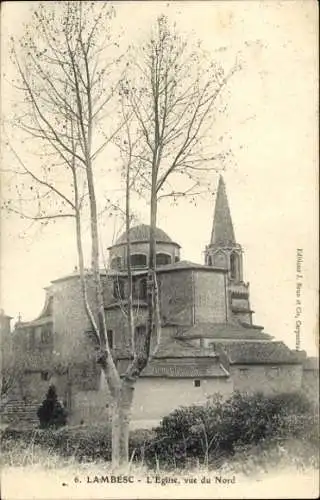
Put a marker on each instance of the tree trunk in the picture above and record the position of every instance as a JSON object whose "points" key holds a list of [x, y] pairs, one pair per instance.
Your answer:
{"points": [[129, 270], [121, 412], [152, 261]]}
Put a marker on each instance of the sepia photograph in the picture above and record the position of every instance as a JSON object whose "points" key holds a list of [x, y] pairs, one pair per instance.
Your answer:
{"points": [[159, 249]]}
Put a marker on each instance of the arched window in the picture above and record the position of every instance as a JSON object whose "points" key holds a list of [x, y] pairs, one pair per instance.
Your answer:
{"points": [[138, 260], [116, 263], [163, 259], [234, 266], [220, 259], [110, 338]]}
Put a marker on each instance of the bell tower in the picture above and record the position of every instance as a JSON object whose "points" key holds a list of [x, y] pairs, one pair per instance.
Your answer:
{"points": [[223, 251]]}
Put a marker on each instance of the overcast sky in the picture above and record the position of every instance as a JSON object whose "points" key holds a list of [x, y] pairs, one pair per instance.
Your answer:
{"points": [[271, 182]]}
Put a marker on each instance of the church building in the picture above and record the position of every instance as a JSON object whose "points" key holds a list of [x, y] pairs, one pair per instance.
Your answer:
{"points": [[209, 344]]}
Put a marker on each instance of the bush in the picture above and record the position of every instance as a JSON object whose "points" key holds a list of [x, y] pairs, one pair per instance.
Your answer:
{"points": [[51, 413], [209, 434], [214, 431]]}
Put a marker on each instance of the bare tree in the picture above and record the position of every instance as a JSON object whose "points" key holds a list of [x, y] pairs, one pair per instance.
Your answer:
{"points": [[66, 83], [173, 94], [67, 86]]}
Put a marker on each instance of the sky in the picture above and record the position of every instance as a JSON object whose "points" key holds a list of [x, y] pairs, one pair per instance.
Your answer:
{"points": [[272, 180]]}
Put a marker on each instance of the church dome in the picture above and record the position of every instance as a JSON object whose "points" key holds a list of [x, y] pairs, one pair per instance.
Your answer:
{"points": [[167, 251], [141, 233]]}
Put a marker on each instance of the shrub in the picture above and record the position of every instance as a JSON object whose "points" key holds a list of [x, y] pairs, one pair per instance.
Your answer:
{"points": [[51, 413], [215, 430], [210, 433]]}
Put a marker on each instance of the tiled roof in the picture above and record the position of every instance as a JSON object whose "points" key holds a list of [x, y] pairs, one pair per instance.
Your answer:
{"points": [[76, 275], [174, 349], [182, 367], [46, 320], [176, 266], [186, 264], [171, 370], [258, 352], [221, 331], [183, 349]]}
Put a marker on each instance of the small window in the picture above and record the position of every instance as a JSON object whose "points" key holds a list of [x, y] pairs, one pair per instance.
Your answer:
{"points": [[243, 370], [197, 383], [139, 335], [138, 260], [140, 330], [209, 260], [45, 376], [116, 263], [234, 266], [118, 288], [163, 259], [177, 258], [110, 338], [46, 336], [143, 289]]}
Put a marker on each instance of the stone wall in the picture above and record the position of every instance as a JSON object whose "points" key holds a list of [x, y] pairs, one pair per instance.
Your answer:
{"points": [[176, 297], [70, 320], [210, 297], [157, 397], [153, 398], [117, 323], [89, 407], [268, 379]]}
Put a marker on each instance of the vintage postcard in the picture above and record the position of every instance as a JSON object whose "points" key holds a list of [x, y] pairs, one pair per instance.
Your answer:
{"points": [[159, 265]]}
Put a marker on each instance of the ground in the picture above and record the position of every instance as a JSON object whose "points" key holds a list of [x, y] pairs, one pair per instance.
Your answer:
{"points": [[36, 482], [42, 475]]}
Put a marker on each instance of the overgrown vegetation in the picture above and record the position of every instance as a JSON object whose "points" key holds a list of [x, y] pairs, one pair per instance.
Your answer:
{"points": [[246, 431], [215, 431]]}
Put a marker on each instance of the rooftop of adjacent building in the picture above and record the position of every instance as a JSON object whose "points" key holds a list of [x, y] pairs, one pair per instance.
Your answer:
{"points": [[182, 354], [175, 266]]}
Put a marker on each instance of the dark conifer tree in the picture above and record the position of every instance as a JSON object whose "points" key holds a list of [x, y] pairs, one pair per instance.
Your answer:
{"points": [[51, 413]]}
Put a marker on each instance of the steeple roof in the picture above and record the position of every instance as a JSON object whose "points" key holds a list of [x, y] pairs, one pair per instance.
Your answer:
{"points": [[222, 229]]}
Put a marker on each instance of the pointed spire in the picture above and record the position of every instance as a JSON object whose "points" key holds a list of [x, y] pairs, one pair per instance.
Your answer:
{"points": [[222, 229]]}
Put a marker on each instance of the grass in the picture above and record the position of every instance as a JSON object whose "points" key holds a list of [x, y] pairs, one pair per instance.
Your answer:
{"points": [[294, 453], [30, 471]]}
